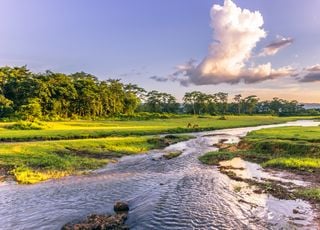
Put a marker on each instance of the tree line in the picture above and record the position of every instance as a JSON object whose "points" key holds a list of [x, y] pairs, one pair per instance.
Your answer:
{"points": [[51, 95]]}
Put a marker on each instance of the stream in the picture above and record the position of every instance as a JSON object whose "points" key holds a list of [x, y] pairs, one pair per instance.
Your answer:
{"points": [[180, 193]]}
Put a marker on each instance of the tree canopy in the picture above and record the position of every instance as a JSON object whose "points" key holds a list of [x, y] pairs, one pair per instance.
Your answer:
{"points": [[51, 95]]}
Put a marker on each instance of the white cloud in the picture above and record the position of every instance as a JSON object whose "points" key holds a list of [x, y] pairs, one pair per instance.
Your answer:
{"points": [[275, 46], [236, 33]]}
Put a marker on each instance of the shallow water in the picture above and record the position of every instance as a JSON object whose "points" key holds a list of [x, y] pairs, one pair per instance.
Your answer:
{"points": [[180, 193]]}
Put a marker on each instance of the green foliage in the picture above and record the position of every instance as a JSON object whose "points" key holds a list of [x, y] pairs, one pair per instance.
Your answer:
{"points": [[56, 96], [52, 96], [32, 110]]}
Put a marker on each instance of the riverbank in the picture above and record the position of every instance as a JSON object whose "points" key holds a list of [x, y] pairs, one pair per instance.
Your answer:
{"points": [[33, 162], [284, 149]]}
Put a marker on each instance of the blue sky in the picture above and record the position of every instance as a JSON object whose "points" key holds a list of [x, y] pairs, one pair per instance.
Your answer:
{"points": [[137, 39]]}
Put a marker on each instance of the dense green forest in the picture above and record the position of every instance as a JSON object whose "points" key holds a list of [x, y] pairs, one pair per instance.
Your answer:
{"points": [[52, 96]]}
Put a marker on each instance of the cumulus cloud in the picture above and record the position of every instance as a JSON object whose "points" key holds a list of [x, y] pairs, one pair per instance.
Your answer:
{"points": [[275, 46], [236, 33]]}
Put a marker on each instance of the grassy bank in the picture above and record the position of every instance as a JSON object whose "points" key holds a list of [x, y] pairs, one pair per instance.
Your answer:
{"points": [[98, 129], [288, 148], [295, 148], [31, 162]]}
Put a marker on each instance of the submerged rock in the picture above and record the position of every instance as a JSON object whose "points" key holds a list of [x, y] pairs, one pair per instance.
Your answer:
{"points": [[120, 206], [103, 222]]}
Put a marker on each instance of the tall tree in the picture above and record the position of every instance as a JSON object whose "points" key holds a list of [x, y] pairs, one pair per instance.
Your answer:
{"points": [[238, 99]]}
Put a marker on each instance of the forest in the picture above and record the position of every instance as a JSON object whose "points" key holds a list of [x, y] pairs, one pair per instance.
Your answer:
{"points": [[52, 96]]}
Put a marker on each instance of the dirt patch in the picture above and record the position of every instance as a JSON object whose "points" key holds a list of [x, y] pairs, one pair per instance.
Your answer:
{"points": [[5, 172], [226, 147]]}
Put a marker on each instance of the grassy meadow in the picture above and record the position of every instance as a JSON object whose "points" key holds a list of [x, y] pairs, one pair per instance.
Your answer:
{"points": [[33, 152], [95, 129]]}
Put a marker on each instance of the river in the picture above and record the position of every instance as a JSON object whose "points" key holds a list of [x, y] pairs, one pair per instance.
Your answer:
{"points": [[180, 193]]}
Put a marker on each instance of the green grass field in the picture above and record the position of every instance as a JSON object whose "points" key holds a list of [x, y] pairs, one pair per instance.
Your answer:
{"points": [[96, 129], [58, 149]]}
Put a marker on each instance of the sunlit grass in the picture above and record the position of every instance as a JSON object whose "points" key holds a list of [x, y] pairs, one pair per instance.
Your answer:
{"points": [[31, 162], [96, 129], [311, 134], [301, 163]]}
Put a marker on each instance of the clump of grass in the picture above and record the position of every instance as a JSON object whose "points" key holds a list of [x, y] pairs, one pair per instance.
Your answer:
{"points": [[172, 155], [309, 194], [213, 158]]}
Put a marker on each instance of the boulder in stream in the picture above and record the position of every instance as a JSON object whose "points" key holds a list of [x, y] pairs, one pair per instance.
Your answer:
{"points": [[120, 207], [103, 222]]}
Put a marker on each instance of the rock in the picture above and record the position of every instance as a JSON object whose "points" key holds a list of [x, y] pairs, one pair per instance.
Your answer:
{"points": [[103, 222], [100, 222], [120, 206], [295, 211], [258, 191], [222, 140]]}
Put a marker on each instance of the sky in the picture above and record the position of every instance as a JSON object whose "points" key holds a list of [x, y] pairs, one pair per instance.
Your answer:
{"points": [[235, 46]]}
